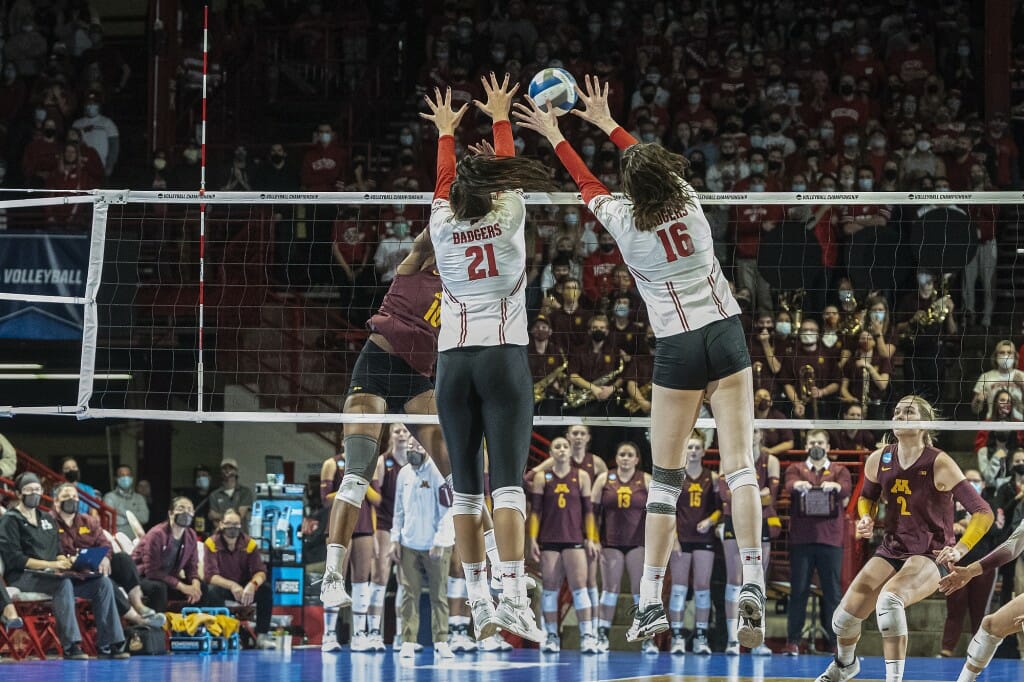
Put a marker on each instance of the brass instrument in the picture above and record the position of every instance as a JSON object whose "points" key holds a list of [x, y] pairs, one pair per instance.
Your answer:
{"points": [[807, 389], [866, 378], [793, 303], [851, 321], [935, 313], [758, 367], [541, 387], [577, 397], [634, 405]]}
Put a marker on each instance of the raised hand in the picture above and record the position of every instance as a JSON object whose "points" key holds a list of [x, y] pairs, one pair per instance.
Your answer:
{"points": [[499, 97], [595, 99], [441, 113], [538, 120], [482, 148]]}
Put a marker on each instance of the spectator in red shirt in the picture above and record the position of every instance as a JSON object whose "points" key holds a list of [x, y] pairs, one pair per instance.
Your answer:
{"points": [[913, 63], [1007, 175], [323, 165], [847, 111], [234, 571], [69, 175], [749, 220], [693, 112], [864, 64], [41, 156], [598, 267]]}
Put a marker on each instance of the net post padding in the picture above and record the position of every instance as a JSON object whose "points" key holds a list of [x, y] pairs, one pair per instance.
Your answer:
{"points": [[90, 321]]}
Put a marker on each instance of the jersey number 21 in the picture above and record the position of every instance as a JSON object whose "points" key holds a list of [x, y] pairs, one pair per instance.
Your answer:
{"points": [[484, 263]]}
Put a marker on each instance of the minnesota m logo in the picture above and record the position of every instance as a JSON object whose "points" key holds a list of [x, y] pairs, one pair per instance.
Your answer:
{"points": [[901, 485], [561, 488]]}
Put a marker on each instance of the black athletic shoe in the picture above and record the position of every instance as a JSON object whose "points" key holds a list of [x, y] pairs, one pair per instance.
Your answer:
{"points": [[647, 622], [75, 653], [751, 614]]}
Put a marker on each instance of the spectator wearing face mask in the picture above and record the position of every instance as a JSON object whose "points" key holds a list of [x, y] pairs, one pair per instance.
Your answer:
{"points": [[1007, 155], [598, 266], [867, 373], [392, 250], [100, 133], [775, 441], [41, 158], [994, 447], [820, 383], [849, 155], [815, 535], [846, 111], [765, 362], [33, 562], [234, 571], [124, 499], [921, 162], [1004, 376], [168, 559], [925, 365], [72, 474], [864, 64], [231, 494], [624, 331], [878, 321], [200, 492], [568, 312], [324, 162], [749, 221], [728, 169]]}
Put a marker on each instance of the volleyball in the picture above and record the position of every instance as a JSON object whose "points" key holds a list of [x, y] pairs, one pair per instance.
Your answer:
{"points": [[554, 87]]}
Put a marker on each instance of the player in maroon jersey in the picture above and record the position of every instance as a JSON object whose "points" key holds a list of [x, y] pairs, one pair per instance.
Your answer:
{"points": [[619, 497], [766, 467], [919, 483], [563, 537], [697, 512], [579, 438], [995, 626], [360, 560]]}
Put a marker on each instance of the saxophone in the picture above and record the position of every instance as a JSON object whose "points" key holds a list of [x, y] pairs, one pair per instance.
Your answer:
{"points": [[851, 320], [541, 387], [935, 313], [793, 303], [866, 378], [577, 397], [634, 405], [806, 389]]}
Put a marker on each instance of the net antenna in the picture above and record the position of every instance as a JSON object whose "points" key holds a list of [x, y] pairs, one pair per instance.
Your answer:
{"points": [[202, 210]]}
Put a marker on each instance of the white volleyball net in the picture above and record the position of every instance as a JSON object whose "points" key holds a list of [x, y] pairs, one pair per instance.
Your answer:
{"points": [[263, 317]]}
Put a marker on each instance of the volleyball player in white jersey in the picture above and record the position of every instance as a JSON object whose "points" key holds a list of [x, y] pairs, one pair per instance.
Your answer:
{"points": [[483, 387], [666, 242]]}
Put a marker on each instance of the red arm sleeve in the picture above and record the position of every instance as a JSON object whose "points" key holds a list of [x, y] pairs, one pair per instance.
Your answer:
{"points": [[589, 186], [621, 138], [504, 145], [445, 166]]}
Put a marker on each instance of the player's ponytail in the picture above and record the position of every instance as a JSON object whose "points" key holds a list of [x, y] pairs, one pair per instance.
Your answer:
{"points": [[478, 177], [653, 179]]}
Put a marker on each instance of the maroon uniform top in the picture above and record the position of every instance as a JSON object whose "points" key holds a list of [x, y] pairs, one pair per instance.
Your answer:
{"points": [[696, 502], [561, 520], [569, 330], [919, 518], [157, 550], [239, 565], [410, 318], [590, 365], [586, 464], [84, 531], [632, 339], [623, 510], [364, 524], [388, 485], [825, 362], [543, 364], [773, 437], [860, 440], [764, 378], [856, 376], [817, 529]]}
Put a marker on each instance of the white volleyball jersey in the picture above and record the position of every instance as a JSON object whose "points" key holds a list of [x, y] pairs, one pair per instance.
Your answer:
{"points": [[483, 274], [674, 265]]}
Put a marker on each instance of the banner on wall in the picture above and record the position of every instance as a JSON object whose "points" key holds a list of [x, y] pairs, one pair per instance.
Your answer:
{"points": [[47, 265]]}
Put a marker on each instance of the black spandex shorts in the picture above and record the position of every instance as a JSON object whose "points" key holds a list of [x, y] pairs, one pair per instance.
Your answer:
{"points": [[559, 546], [691, 547], [624, 550], [692, 360], [380, 373], [730, 532], [897, 564]]}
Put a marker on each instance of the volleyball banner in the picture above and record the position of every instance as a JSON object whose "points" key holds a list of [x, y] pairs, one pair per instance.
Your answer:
{"points": [[42, 265]]}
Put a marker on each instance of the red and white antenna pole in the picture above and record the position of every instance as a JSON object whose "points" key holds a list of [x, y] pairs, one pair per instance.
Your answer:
{"points": [[202, 206]]}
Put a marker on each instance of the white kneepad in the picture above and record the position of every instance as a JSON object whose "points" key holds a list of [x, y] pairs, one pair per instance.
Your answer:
{"points": [[549, 601], [353, 489], [581, 599], [702, 599], [740, 478], [464, 504], [891, 615], [845, 624], [732, 592], [510, 497], [982, 648], [677, 599], [609, 599]]}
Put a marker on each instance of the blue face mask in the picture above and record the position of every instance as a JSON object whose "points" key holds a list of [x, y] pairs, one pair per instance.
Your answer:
{"points": [[799, 187], [203, 482], [124, 482]]}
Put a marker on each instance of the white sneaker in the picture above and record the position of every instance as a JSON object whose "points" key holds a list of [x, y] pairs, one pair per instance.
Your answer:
{"points": [[732, 649], [408, 650], [700, 645], [461, 641], [493, 643], [762, 650], [330, 643], [678, 646], [443, 650], [551, 644], [332, 590], [603, 645], [840, 673], [751, 616], [588, 644], [377, 641], [650, 647], [361, 642], [484, 625], [266, 641], [517, 617]]}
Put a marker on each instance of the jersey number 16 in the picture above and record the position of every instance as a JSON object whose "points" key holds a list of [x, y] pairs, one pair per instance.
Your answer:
{"points": [[480, 254], [676, 241]]}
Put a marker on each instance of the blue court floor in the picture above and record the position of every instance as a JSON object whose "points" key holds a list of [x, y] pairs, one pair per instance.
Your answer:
{"points": [[308, 664]]}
